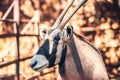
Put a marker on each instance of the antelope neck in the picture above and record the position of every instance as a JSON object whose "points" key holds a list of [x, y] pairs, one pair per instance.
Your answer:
{"points": [[76, 59], [75, 56]]}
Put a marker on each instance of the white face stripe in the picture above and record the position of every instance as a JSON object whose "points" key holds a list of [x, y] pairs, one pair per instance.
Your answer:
{"points": [[50, 37], [54, 33], [50, 46], [59, 52], [60, 44]]}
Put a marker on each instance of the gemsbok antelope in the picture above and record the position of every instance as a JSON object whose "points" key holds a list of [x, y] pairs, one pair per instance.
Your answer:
{"points": [[76, 57]]}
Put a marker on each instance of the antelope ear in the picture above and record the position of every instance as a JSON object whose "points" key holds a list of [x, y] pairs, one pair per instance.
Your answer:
{"points": [[42, 33], [68, 33]]}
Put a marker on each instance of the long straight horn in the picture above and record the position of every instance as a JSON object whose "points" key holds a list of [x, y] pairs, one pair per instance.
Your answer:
{"points": [[59, 19], [64, 22]]}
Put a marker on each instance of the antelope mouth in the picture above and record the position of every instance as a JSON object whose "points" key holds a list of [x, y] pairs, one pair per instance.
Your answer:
{"points": [[39, 62], [41, 67]]}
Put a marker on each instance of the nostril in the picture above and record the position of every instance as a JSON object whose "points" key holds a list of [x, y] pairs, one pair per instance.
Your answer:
{"points": [[33, 63]]}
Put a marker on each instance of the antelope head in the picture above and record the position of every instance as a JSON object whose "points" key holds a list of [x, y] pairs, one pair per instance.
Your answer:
{"points": [[51, 51]]}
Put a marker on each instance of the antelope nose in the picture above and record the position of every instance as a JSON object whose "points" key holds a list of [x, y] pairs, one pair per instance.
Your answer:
{"points": [[33, 63]]}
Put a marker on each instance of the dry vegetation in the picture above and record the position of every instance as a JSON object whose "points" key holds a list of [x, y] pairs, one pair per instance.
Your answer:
{"points": [[97, 20]]}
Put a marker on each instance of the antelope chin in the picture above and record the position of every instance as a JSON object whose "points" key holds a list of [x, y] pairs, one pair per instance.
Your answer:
{"points": [[39, 62]]}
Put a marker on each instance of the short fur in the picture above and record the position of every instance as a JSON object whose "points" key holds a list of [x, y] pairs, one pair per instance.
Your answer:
{"points": [[84, 64]]}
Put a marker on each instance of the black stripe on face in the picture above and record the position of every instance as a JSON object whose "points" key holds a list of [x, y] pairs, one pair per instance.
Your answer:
{"points": [[54, 50], [62, 62], [52, 57], [44, 49]]}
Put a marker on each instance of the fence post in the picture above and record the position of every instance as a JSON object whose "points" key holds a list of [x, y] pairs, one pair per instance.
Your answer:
{"points": [[16, 17], [36, 19], [36, 25]]}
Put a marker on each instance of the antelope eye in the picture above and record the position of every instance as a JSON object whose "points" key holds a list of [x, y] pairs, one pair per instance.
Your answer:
{"points": [[44, 31], [57, 38]]}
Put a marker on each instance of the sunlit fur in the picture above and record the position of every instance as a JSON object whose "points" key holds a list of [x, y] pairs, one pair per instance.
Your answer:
{"points": [[56, 39], [77, 58]]}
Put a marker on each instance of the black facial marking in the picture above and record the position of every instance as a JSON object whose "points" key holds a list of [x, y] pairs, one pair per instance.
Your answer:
{"points": [[44, 49], [51, 60], [57, 38], [52, 57], [62, 63], [62, 60]]}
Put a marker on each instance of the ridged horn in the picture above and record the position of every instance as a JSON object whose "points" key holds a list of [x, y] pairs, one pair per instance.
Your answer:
{"points": [[59, 19], [65, 21]]}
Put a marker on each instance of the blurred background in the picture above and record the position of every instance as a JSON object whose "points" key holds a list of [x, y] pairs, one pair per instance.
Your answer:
{"points": [[20, 21]]}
